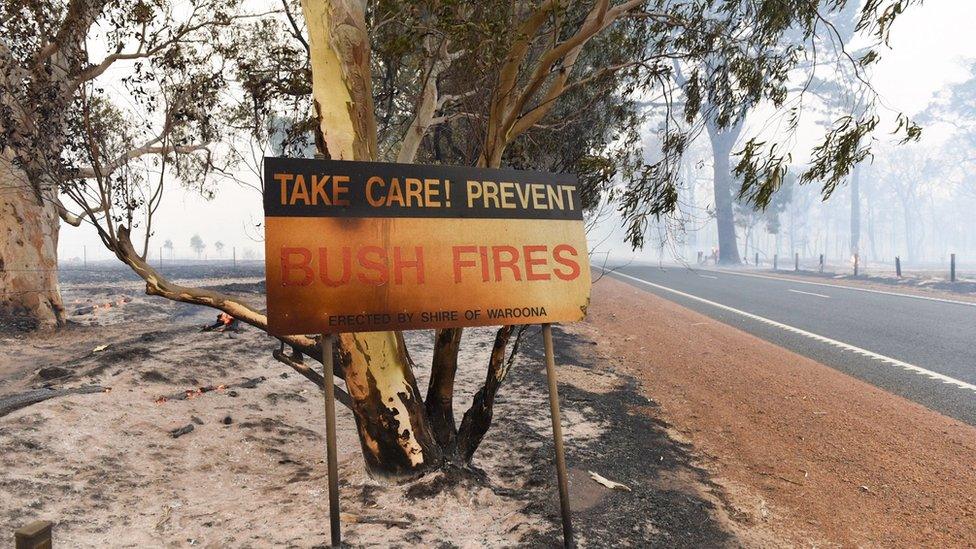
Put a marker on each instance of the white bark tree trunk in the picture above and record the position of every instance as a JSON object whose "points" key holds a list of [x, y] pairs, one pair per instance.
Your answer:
{"points": [[722, 141], [29, 294], [396, 439]]}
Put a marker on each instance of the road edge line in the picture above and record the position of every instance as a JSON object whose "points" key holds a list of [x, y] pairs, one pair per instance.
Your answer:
{"points": [[817, 337]]}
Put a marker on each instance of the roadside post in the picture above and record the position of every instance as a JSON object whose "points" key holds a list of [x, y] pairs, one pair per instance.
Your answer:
{"points": [[898, 266], [796, 262], [775, 261], [952, 267], [821, 263], [757, 259], [36, 535], [856, 261], [369, 246]]}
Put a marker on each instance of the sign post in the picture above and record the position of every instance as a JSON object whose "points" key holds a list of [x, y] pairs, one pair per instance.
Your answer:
{"points": [[557, 436], [330, 435], [369, 246]]}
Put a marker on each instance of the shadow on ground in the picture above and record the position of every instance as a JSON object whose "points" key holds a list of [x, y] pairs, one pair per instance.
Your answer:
{"points": [[672, 502]]}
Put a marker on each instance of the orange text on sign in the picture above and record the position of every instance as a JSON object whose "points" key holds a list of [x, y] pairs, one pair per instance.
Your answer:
{"points": [[377, 266]]}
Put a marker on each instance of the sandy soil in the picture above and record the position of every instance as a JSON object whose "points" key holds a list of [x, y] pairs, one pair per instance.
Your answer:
{"points": [[107, 470], [827, 459]]}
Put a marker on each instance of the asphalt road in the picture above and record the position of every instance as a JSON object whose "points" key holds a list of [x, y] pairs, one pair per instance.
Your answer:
{"points": [[921, 349]]}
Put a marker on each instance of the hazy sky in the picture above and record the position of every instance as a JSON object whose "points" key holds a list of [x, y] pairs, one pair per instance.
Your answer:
{"points": [[930, 46]]}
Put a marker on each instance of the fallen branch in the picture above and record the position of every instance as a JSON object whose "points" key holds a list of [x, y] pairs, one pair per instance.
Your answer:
{"points": [[15, 402], [358, 519], [180, 431], [607, 483]]}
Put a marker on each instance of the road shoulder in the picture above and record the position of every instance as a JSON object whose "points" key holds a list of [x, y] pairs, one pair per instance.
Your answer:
{"points": [[796, 444], [874, 284]]}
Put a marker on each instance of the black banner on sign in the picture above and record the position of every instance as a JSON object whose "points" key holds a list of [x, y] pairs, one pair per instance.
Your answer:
{"points": [[298, 187]]}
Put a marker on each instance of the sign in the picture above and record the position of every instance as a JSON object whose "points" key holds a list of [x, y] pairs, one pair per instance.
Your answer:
{"points": [[368, 246]]}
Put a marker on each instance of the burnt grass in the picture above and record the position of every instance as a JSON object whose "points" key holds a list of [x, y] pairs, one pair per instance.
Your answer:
{"points": [[635, 450]]}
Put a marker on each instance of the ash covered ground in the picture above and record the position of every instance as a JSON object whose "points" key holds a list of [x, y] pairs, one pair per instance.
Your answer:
{"points": [[241, 464]]}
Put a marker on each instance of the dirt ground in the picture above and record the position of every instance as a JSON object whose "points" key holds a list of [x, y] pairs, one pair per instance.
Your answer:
{"points": [[775, 451], [106, 468], [830, 459]]}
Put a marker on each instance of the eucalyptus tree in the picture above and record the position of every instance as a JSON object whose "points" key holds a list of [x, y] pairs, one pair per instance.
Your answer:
{"points": [[545, 84], [503, 71], [770, 54], [58, 63], [197, 245]]}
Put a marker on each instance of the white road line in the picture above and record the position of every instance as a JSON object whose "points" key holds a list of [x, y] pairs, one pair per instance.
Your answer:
{"points": [[708, 276], [852, 288], [809, 293], [833, 342]]}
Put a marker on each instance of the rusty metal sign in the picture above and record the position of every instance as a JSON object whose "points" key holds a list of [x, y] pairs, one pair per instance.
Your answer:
{"points": [[367, 246]]}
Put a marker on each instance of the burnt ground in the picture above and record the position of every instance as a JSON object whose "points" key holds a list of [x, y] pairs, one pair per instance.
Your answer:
{"points": [[673, 503], [247, 467]]}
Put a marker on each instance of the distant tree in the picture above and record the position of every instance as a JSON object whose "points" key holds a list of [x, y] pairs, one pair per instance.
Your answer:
{"points": [[197, 245], [219, 246], [169, 247], [955, 106], [748, 216]]}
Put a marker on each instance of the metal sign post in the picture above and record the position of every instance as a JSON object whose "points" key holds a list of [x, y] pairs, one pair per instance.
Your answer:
{"points": [[557, 435], [330, 435]]}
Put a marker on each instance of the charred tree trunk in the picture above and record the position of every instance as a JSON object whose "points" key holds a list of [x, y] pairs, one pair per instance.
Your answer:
{"points": [[394, 434], [29, 223], [440, 390], [722, 142], [396, 439], [477, 419]]}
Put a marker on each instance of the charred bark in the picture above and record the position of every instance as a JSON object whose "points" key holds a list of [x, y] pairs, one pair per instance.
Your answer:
{"points": [[396, 439], [477, 419], [440, 391]]}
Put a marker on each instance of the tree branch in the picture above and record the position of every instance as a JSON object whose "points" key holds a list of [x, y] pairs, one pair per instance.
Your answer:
{"points": [[158, 285], [89, 172], [477, 419]]}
